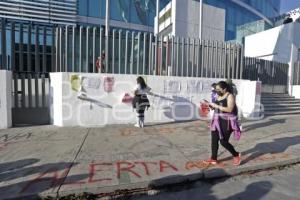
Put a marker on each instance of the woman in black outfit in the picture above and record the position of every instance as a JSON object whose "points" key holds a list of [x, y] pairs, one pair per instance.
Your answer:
{"points": [[224, 123]]}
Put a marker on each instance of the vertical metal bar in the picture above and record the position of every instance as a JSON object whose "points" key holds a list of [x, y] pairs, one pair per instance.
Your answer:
{"points": [[193, 56], [16, 97], [3, 43], [298, 74], [113, 50], [233, 61], [182, 56], [56, 48], [126, 51], [198, 57], [73, 49], [87, 49], [229, 61], [23, 90], [167, 56], [29, 68], [242, 62], [43, 91], [202, 57], [36, 90], [80, 49], [138, 53], [53, 39], [44, 49], [224, 61], [150, 53], [206, 58], [120, 52], [60, 50], [94, 49], [187, 57], [21, 48], [100, 42], [12, 58], [177, 56], [156, 56], [132, 53], [218, 60], [144, 53], [66, 48], [211, 48], [29, 90], [172, 55], [106, 48], [214, 59], [37, 56], [161, 55], [237, 62]]}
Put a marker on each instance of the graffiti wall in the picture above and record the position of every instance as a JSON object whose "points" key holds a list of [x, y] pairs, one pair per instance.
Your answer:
{"points": [[101, 99]]}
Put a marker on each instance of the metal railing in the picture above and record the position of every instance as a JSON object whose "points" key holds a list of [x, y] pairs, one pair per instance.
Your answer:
{"points": [[39, 48], [268, 72], [143, 53], [296, 74]]}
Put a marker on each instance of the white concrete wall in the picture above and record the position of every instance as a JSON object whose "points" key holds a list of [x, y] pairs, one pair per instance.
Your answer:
{"points": [[279, 44], [5, 99], [296, 91], [185, 20], [213, 23], [106, 108]]}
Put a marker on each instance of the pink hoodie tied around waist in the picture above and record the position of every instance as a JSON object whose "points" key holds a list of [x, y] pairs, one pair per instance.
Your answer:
{"points": [[215, 125]]}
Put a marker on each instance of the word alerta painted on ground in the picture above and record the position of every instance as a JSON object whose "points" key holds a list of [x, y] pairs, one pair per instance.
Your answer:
{"points": [[119, 172]]}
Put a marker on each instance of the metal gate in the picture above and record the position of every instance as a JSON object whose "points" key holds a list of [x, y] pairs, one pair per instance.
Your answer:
{"points": [[30, 98], [273, 75]]}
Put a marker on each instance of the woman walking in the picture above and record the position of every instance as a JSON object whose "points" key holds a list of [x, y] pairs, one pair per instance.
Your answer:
{"points": [[140, 101], [224, 123]]}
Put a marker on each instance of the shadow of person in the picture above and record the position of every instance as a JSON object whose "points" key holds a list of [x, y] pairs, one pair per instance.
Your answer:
{"points": [[255, 191], [8, 166], [263, 124], [278, 145], [25, 177], [182, 109]]}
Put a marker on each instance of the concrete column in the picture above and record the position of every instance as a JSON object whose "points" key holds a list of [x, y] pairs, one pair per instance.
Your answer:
{"points": [[5, 99]]}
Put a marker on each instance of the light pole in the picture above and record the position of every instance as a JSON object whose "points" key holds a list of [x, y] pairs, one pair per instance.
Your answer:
{"points": [[157, 16], [200, 19], [107, 16]]}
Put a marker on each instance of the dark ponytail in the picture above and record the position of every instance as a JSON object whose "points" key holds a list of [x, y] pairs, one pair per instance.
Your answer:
{"points": [[223, 85]]}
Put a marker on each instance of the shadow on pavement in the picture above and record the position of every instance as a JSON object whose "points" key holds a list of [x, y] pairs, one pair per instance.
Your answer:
{"points": [[198, 190], [279, 145], [263, 124], [16, 183]]}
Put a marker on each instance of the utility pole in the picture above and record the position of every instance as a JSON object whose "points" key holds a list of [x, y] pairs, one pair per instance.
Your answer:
{"points": [[107, 17], [157, 16], [200, 19]]}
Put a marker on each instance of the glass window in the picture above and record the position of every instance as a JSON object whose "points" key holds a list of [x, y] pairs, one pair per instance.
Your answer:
{"points": [[94, 8], [82, 7], [119, 10]]}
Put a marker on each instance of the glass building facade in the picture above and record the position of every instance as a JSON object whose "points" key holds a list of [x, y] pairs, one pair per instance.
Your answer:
{"points": [[140, 12], [241, 16]]}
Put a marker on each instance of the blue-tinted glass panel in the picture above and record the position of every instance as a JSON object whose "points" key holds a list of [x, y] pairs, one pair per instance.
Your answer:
{"points": [[94, 8], [119, 10], [82, 7]]}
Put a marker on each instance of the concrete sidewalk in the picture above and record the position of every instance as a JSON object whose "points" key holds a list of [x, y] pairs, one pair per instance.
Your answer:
{"points": [[47, 160]]}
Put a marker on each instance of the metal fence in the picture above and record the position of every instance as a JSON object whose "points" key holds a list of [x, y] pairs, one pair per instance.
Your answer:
{"points": [[26, 47], [128, 52], [37, 48], [296, 74], [268, 72]]}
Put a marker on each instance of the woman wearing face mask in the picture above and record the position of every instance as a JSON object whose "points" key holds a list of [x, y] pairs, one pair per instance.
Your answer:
{"points": [[224, 122]]}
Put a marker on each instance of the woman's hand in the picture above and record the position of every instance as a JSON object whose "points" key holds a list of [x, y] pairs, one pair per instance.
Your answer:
{"points": [[213, 105]]}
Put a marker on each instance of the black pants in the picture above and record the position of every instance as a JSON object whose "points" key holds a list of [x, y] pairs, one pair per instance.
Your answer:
{"points": [[224, 142], [140, 113]]}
